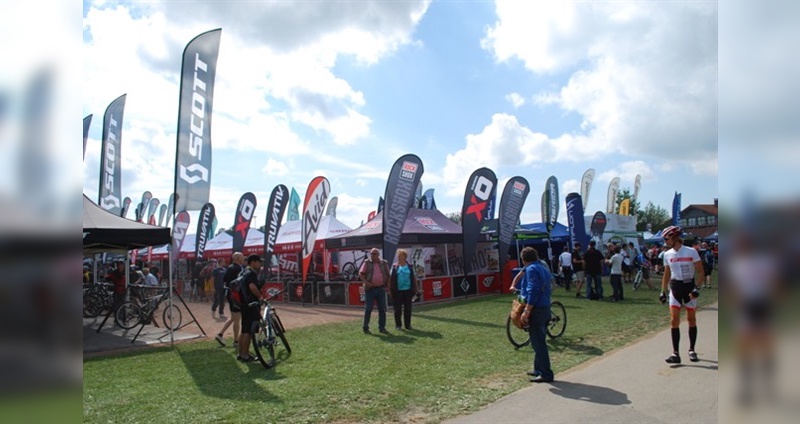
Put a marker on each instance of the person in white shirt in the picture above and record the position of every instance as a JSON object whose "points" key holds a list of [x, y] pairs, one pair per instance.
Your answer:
{"points": [[150, 280], [615, 262], [565, 261]]}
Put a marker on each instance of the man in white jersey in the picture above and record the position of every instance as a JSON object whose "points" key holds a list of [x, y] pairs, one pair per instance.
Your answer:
{"points": [[681, 265]]}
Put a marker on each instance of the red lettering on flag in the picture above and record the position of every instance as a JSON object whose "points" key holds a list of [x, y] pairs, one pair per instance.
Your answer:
{"points": [[241, 227], [476, 208]]}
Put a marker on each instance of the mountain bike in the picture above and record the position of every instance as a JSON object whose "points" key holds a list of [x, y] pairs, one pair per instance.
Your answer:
{"points": [[97, 298], [519, 337], [131, 313], [639, 278], [350, 269], [267, 331]]}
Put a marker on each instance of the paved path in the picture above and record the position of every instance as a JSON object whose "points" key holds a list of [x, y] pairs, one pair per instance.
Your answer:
{"points": [[631, 385]]}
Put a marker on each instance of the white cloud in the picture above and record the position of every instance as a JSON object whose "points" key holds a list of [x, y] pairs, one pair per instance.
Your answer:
{"points": [[275, 168], [516, 100], [627, 172]]}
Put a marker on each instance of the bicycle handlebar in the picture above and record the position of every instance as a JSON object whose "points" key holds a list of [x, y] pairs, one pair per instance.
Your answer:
{"points": [[265, 301]]}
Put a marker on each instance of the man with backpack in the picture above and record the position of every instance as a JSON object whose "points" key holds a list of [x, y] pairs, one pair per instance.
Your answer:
{"points": [[233, 271], [251, 292]]}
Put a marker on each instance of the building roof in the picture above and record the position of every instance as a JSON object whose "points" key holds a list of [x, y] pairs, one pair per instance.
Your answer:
{"points": [[709, 209]]}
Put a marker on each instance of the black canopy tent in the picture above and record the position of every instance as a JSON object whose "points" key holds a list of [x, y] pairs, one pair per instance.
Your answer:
{"points": [[105, 232]]}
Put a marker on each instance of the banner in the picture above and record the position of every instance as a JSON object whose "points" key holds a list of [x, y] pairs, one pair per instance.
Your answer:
{"points": [[417, 194], [611, 201], [316, 196], [371, 215], [151, 211], [543, 206], [294, 206], [193, 152], [427, 201], [380, 204], [87, 122], [241, 224], [403, 179], [332, 204], [598, 225], [141, 214], [110, 192], [511, 202], [126, 204], [162, 211], [276, 208], [170, 207], [551, 203], [676, 209], [586, 186], [625, 207], [179, 229], [204, 230], [637, 184], [481, 188], [577, 227]]}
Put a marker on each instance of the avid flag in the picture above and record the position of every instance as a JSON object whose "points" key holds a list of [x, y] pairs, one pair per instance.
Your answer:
{"points": [[193, 152], [611, 200], [598, 225], [371, 215], [637, 184], [109, 195], [316, 196], [241, 223], [332, 204], [87, 121], [625, 207], [179, 229], [403, 179], [151, 211], [126, 204], [676, 209], [294, 206], [511, 202], [426, 201], [275, 211], [162, 211], [551, 203], [577, 226], [481, 188], [380, 204], [586, 185], [204, 229]]}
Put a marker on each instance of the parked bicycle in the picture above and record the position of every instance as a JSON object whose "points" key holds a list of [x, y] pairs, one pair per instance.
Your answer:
{"points": [[267, 331], [97, 298], [350, 269], [520, 337], [131, 313], [641, 272]]}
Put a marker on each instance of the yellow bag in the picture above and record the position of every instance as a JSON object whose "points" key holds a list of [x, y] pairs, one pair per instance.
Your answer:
{"points": [[517, 308]]}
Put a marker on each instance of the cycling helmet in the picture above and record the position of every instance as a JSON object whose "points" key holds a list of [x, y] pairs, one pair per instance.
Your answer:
{"points": [[670, 231]]}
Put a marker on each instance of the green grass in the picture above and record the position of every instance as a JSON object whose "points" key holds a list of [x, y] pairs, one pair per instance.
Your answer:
{"points": [[458, 360]]}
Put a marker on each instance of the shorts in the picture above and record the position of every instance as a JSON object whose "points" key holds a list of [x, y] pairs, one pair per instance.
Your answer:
{"points": [[707, 269], [249, 316], [680, 295], [645, 273], [580, 276], [626, 269]]}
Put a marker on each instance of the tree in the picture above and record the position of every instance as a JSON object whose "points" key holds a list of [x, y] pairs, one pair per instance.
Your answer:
{"points": [[623, 194], [455, 217], [656, 216]]}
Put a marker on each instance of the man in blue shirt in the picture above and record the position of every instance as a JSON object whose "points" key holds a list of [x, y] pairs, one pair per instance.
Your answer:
{"points": [[536, 289]]}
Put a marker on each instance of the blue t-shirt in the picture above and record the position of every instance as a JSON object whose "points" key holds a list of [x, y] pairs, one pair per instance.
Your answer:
{"points": [[403, 277], [536, 287]]}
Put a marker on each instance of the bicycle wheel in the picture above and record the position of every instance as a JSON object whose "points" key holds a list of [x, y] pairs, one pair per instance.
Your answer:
{"points": [[558, 320], [262, 344], [637, 281], [278, 327], [517, 336], [128, 315], [92, 305], [173, 312], [349, 271]]}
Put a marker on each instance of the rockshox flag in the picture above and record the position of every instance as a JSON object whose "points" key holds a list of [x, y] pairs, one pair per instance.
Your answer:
{"points": [[276, 208], [399, 198], [179, 229], [126, 204], [151, 211], [586, 186], [241, 224], [598, 225], [551, 204], [193, 156], [109, 195], [294, 206], [319, 189], [87, 121], [481, 188], [637, 185], [676, 209], [611, 201], [162, 211], [332, 204], [511, 202], [204, 230], [577, 226]]}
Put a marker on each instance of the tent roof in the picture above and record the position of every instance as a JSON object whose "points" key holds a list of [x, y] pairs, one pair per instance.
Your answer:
{"points": [[104, 231], [539, 230], [289, 236], [425, 226]]}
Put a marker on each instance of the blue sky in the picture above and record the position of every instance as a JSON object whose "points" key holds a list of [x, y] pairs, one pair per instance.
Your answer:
{"points": [[342, 89]]}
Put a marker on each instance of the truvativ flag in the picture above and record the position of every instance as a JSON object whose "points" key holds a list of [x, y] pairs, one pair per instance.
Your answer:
{"points": [[126, 204], [511, 202], [481, 188], [611, 201], [294, 206], [332, 204], [276, 208], [151, 211], [577, 226], [598, 225], [162, 212], [399, 198], [676, 209], [586, 186], [109, 195], [241, 223], [319, 189], [179, 229], [193, 153], [204, 230], [87, 121], [551, 203]]}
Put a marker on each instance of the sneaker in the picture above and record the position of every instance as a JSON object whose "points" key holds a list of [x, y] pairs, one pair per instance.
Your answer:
{"points": [[366, 330], [693, 356], [410, 328], [384, 331], [673, 359], [219, 340], [534, 373], [222, 316], [213, 315], [398, 328]]}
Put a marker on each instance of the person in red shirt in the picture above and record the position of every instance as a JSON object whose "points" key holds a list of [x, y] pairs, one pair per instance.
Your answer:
{"points": [[117, 277]]}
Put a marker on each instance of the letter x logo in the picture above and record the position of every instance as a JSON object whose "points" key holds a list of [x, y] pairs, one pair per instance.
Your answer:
{"points": [[241, 227], [476, 208]]}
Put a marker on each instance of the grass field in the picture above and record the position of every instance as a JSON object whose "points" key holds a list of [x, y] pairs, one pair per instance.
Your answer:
{"points": [[457, 360]]}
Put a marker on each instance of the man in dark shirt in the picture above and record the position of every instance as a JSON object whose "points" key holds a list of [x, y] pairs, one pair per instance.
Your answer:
{"points": [[593, 262], [251, 292], [233, 271], [219, 289], [117, 277]]}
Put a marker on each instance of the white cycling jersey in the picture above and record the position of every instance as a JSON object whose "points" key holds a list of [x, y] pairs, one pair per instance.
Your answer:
{"points": [[681, 262]]}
